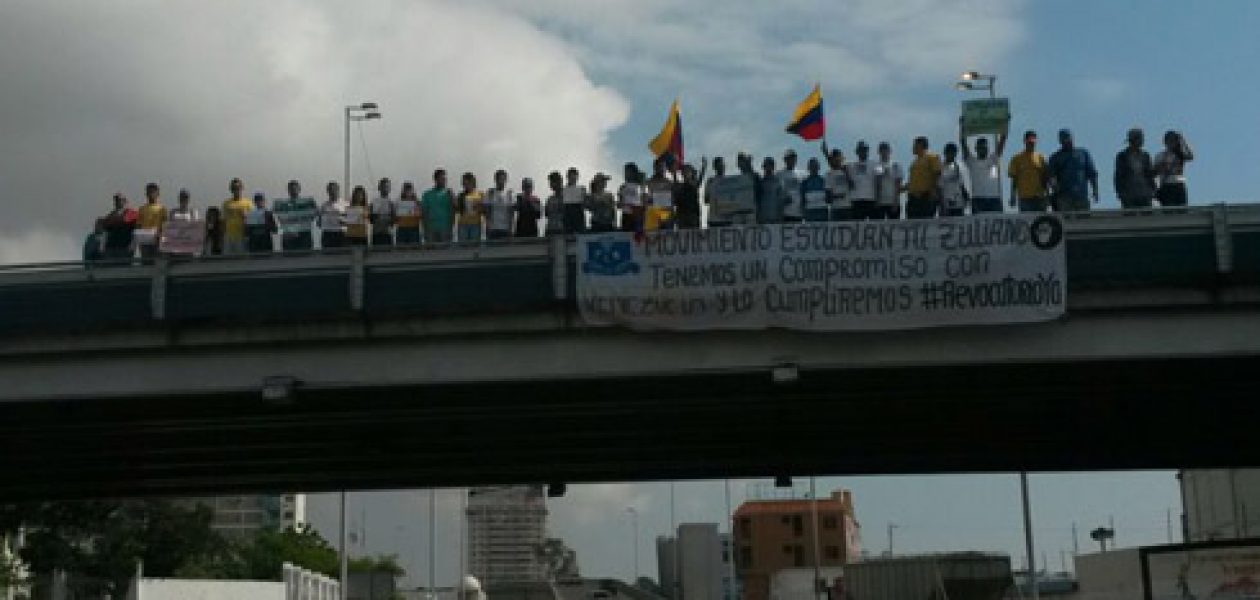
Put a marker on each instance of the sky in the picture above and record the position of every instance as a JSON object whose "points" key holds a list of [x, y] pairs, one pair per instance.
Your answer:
{"points": [[104, 97]]}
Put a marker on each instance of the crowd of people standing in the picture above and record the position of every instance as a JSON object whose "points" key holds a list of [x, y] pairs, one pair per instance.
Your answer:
{"points": [[965, 179]]}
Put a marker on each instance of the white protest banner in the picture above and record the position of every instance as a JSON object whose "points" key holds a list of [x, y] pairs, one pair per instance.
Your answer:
{"points": [[732, 195], [295, 215], [833, 276], [183, 237]]}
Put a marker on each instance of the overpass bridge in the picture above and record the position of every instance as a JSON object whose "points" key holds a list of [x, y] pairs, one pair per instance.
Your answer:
{"points": [[462, 365]]}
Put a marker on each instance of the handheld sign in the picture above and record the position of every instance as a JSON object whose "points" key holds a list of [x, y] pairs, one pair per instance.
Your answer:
{"points": [[296, 215], [733, 195], [183, 237], [988, 115]]}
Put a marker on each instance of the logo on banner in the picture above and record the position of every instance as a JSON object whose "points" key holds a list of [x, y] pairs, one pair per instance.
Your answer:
{"points": [[1047, 232], [610, 257]]}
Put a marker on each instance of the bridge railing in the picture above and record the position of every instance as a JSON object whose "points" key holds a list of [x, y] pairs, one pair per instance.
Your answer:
{"points": [[1203, 249]]}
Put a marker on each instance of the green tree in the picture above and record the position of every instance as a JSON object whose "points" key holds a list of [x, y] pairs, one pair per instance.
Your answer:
{"points": [[106, 539], [382, 563], [264, 557]]}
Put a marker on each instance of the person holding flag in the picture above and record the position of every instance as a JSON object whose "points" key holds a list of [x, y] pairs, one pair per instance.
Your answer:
{"points": [[670, 140]]}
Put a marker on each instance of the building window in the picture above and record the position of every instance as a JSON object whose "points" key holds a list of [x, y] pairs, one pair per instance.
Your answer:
{"points": [[787, 549], [786, 520], [745, 557], [798, 555], [832, 553], [798, 526], [745, 527], [830, 523]]}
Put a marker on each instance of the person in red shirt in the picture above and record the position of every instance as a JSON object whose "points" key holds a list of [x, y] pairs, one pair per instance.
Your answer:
{"points": [[120, 227]]}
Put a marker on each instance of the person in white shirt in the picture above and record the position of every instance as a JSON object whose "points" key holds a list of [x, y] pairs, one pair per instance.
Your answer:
{"points": [[982, 170], [499, 205], [185, 211], [260, 226], [630, 199], [952, 191], [574, 197], [888, 184], [407, 230], [332, 218], [862, 179], [838, 186], [790, 182], [383, 214]]}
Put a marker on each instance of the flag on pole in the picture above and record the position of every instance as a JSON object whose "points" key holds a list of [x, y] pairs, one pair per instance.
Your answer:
{"points": [[808, 120], [670, 139]]}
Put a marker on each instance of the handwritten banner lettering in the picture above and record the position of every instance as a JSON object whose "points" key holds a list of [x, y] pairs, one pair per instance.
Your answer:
{"points": [[827, 276]]}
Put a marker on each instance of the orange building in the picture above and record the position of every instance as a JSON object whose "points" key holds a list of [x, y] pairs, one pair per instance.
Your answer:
{"points": [[777, 534]]}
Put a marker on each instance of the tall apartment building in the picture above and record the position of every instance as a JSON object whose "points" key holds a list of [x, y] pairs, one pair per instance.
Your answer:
{"points": [[242, 516], [506, 534], [771, 535], [694, 564]]}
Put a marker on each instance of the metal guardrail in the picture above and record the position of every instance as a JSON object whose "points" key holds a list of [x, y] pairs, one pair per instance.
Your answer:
{"points": [[1222, 222]]}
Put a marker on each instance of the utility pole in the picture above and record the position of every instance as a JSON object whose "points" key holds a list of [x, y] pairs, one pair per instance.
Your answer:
{"points": [[344, 559], [1028, 536], [813, 504], [1076, 547], [891, 527]]}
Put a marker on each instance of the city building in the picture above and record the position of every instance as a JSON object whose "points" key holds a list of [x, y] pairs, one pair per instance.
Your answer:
{"points": [[242, 516], [699, 553], [776, 534], [1220, 504], [507, 535]]}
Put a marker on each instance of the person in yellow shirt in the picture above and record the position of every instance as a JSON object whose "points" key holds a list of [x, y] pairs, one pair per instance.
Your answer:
{"points": [[149, 222], [922, 189], [469, 204], [1027, 171], [234, 211]]}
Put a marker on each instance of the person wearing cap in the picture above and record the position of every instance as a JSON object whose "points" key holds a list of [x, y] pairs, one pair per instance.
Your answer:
{"points": [[184, 211], [923, 184], [889, 181], [120, 226], [631, 198], [688, 202], [332, 218], [260, 224], [234, 211], [528, 210], [982, 169], [1170, 166], [1134, 176], [602, 205], [149, 220], [814, 196], [383, 214], [1073, 178], [407, 232], [1027, 171], [790, 182], [500, 203], [862, 183], [296, 217]]}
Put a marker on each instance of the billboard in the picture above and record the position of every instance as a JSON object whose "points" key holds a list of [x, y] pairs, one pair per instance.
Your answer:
{"points": [[1207, 571]]}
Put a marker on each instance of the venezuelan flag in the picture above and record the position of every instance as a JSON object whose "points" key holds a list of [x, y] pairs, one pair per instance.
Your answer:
{"points": [[808, 120], [670, 139]]}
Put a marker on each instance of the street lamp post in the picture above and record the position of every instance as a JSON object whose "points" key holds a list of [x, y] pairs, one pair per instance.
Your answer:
{"points": [[634, 525], [361, 112]]}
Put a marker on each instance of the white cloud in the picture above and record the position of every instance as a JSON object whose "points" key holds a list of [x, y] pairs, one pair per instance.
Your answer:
{"points": [[191, 94]]}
